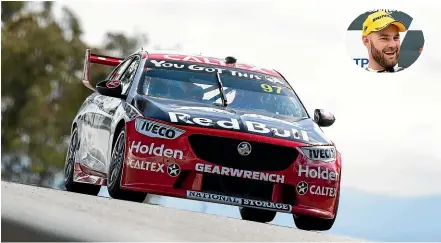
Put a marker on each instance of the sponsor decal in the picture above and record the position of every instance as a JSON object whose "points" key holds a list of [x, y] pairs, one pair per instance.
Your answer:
{"points": [[322, 154], [275, 80], [266, 205], [381, 16], [112, 84], [361, 61], [239, 201], [268, 118], [213, 61], [210, 69], [173, 169], [385, 10], [322, 190], [319, 173], [193, 67], [271, 89], [183, 117], [214, 197], [156, 129], [244, 148], [265, 87], [157, 151], [226, 171], [146, 165], [303, 188], [233, 124]]}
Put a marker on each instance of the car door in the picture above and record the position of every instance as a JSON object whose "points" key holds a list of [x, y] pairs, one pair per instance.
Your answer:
{"points": [[101, 120], [86, 132], [110, 104]]}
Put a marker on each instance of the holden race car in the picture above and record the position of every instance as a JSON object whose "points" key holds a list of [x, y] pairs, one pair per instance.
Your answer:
{"points": [[207, 129]]}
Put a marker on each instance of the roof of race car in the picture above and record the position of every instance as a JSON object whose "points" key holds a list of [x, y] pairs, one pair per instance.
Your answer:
{"points": [[195, 58]]}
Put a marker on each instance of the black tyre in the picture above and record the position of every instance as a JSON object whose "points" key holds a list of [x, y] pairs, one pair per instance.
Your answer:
{"points": [[257, 215], [115, 172], [311, 223], [69, 184], [314, 224]]}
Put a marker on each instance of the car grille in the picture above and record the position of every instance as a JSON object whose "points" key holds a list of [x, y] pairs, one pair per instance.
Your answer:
{"points": [[223, 151]]}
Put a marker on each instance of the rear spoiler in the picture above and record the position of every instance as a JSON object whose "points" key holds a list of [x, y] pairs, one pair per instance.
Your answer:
{"points": [[98, 59]]}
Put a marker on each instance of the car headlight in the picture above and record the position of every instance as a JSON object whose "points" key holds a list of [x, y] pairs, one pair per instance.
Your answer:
{"points": [[320, 153]]}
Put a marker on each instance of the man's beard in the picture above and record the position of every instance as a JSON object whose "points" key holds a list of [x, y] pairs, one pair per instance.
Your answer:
{"points": [[379, 57]]}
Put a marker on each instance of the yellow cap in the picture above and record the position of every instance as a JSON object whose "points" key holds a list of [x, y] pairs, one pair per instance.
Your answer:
{"points": [[380, 20]]}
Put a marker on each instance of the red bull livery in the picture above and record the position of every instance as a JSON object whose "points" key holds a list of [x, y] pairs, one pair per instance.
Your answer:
{"points": [[205, 129]]}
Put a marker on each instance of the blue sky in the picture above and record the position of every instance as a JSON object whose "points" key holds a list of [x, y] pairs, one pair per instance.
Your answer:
{"points": [[387, 126]]}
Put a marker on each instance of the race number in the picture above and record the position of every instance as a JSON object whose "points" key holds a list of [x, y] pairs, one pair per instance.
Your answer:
{"points": [[270, 89]]}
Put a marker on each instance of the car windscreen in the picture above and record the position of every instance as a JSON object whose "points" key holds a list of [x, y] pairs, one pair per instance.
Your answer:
{"points": [[198, 83]]}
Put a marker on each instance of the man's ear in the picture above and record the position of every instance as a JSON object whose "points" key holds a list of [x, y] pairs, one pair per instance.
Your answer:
{"points": [[366, 41]]}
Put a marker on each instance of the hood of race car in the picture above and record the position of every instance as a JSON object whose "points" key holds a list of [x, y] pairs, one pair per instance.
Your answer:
{"points": [[303, 130]]}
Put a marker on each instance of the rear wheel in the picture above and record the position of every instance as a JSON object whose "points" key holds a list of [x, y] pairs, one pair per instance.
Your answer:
{"points": [[69, 167], [115, 172], [257, 215]]}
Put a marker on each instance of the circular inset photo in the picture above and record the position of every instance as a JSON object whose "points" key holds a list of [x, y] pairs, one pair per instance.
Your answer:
{"points": [[384, 40]]}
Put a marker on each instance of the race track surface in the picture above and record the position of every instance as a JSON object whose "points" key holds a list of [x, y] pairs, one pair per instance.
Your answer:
{"points": [[39, 214]]}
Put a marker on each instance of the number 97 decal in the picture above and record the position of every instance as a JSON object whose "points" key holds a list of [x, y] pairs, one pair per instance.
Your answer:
{"points": [[271, 89]]}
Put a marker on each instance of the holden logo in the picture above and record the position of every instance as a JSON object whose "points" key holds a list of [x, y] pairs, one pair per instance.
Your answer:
{"points": [[244, 148]]}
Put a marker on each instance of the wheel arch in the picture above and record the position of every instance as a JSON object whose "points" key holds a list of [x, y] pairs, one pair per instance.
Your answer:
{"points": [[74, 125], [119, 126], [72, 129]]}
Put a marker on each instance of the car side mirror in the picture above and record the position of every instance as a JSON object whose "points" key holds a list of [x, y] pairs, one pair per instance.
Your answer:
{"points": [[110, 88], [323, 118]]}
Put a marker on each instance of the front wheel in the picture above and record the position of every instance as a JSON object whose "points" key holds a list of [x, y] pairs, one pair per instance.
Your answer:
{"points": [[69, 167], [257, 215], [115, 172], [311, 223]]}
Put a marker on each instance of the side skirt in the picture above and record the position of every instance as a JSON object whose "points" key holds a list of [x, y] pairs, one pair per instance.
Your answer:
{"points": [[83, 174]]}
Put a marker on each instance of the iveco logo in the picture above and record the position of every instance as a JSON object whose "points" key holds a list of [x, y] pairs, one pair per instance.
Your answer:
{"points": [[244, 148]]}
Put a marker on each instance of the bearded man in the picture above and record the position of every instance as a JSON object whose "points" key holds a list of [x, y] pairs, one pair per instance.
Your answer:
{"points": [[381, 36]]}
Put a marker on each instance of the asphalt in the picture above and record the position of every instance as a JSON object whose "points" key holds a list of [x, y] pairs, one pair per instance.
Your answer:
{"points": [[32, 213]]}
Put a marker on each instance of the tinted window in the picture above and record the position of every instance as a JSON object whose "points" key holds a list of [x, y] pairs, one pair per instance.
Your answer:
{"points": [[198, 83]]}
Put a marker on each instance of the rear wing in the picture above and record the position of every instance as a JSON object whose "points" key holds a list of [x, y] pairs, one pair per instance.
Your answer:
{"points": [[98, 59]]}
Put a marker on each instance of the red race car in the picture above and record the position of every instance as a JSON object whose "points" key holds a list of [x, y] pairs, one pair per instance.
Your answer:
{"points": [[205, 129]]}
